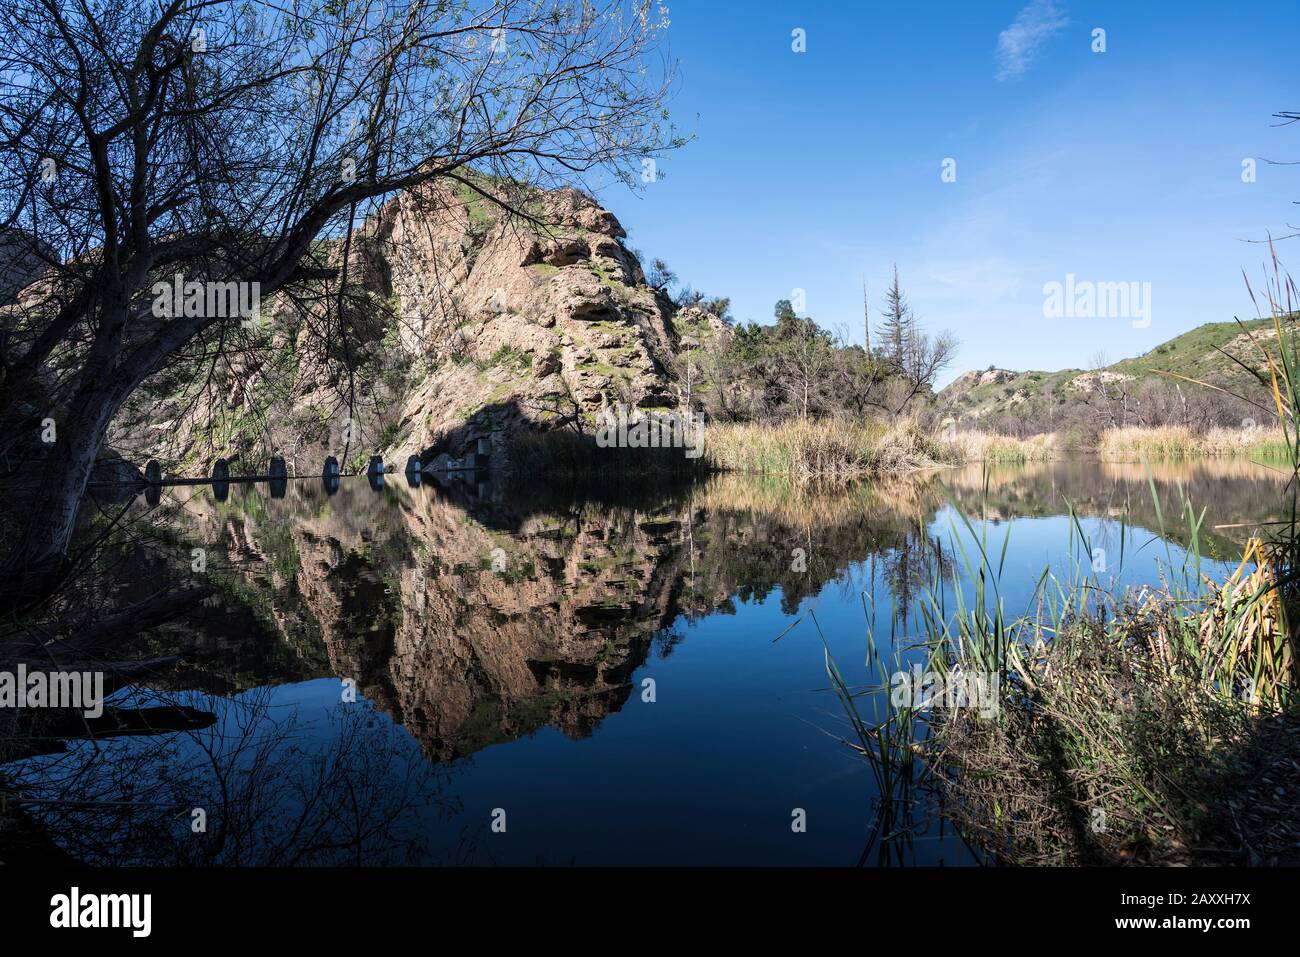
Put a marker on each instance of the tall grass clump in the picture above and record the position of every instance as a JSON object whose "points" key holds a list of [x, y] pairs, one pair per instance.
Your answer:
{"points": [[1150, 725], [883, 732], [800, 450], [1140, 443], [971, 446], [833, 448]]}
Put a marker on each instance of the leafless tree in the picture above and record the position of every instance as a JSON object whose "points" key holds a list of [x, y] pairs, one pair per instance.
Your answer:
{"points": [[233, 142], [804, 363]]}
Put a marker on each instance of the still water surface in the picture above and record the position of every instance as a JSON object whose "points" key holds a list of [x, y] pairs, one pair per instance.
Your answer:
{"points": [[393, 672]]}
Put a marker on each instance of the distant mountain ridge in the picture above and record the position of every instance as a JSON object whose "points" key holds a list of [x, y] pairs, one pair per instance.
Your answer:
{"points": [[1042, 401]]}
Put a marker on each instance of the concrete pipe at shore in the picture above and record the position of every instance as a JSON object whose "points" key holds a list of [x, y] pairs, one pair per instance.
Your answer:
{"points": [[279, 477], [330, 475], [221, 479], [375, 472]]}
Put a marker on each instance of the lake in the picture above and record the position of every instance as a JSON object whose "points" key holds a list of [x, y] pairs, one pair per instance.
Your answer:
{"points": [[473, 674]]}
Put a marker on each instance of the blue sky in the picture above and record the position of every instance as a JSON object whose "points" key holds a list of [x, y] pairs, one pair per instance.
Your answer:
{"points": [[812, 170]]}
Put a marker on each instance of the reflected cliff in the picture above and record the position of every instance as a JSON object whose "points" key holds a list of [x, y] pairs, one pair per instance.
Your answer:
{"points": [[474, 615], [441, 650]]}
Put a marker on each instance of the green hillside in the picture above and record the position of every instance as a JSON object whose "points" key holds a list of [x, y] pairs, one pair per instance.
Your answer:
{"points": [[1195, 354], [1044, 401]]}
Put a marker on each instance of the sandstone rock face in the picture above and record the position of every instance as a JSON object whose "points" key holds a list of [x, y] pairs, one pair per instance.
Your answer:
{"points": [[995, 376], [549, 324], [488, 325]]}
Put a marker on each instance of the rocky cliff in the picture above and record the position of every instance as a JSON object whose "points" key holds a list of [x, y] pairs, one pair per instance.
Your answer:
{"points": [[465, 326]]}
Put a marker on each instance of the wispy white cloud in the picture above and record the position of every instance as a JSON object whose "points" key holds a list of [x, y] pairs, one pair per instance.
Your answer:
{"points": [[1019, 43]]}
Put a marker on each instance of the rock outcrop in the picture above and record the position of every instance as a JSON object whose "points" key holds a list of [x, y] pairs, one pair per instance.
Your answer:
{"points": [[474, 325]]}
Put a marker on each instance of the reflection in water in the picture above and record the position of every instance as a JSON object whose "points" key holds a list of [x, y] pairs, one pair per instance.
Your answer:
{"points": [[491, 639], [263, 785], [1235, 493]]}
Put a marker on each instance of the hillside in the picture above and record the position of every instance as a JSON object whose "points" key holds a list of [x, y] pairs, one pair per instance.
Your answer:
{"points": [[1137, 390]]}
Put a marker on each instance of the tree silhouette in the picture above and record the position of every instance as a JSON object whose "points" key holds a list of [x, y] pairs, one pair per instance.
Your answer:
{"points": [[221, 142]]}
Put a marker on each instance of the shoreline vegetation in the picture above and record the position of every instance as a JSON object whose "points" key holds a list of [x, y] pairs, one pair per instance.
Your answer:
{"points": [[793, 399], [843, 449], [1175, 442], [830, 448], [1151, 726], [1132, 727], [1127, 444]]}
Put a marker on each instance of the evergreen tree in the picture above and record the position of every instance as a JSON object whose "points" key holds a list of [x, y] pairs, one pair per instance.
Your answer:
{"points": [[897, 326]]}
